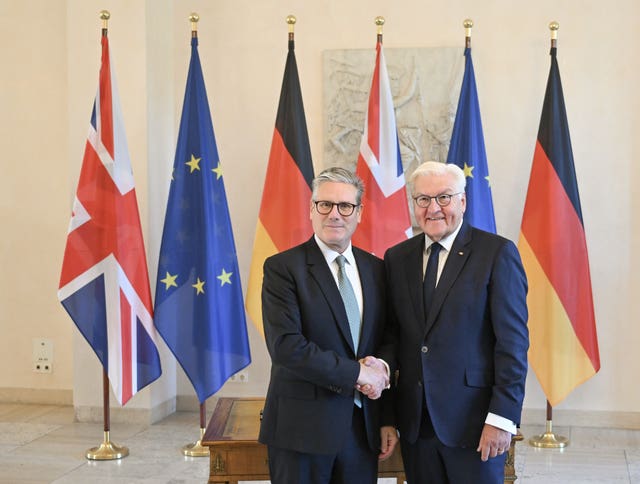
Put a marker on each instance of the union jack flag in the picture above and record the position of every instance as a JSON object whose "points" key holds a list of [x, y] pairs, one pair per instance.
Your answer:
{"points": [[104, 285], [385, 218]]}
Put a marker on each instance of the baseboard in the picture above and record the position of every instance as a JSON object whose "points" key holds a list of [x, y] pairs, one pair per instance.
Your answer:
{"points": [[148, 416], [583, 418], [40, 396], [190, 403]]}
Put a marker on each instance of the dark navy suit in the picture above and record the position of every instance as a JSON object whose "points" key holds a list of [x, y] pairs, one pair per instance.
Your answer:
{"points": [[310, 400], [468, 356]]}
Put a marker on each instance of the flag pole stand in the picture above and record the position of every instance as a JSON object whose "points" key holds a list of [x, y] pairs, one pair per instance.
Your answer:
{"points": [[107, 450], [196, 449], [549, 440]]}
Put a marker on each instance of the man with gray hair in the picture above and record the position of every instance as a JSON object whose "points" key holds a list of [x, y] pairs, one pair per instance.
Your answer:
{"points": [[323, 307], [459, 341]]}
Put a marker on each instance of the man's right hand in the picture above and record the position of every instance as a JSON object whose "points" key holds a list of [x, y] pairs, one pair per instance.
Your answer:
{"points": [[373, 378]]}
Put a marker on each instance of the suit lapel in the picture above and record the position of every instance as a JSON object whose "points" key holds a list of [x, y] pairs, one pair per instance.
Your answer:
{"points": [[320, 272], [460, 251], [412, 265], [368, 295]]}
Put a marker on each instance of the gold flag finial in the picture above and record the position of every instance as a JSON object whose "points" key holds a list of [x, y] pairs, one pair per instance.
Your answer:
{"points": [[379, 21], [553, 27], [194, 18], [468, 25], [291, 21], [104, 16]]}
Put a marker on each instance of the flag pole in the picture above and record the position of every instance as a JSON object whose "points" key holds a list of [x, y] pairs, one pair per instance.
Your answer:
{"points": [[107, 450], [196, 449], [549, 440]]}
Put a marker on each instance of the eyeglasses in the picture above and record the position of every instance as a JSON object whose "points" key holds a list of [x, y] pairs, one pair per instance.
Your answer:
{"points": [[324, 207], [423, 201]]}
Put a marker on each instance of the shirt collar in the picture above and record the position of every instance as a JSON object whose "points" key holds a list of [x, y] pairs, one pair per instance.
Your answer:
{"points": [[446, 242], [330, 254]]}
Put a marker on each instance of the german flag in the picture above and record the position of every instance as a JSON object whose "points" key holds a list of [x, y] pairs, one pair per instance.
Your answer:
{"points": [[284, 211], [564, 344]]}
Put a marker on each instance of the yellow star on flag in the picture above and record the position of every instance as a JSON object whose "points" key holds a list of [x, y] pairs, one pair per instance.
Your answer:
{"points": [[169, 281], [488, 181], [467, 170], [218, 171], [199, 286], [225, 277], [193, 163]]}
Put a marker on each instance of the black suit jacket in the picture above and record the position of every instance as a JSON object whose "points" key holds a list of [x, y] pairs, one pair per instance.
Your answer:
{"points": [[469, 356], [309, 403]]}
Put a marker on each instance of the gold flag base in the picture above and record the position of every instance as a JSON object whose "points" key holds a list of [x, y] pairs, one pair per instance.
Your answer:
{"points": [[196, 449], [107, 450], [549, 440]]}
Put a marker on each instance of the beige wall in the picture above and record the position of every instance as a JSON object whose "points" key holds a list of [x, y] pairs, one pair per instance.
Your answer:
{"points": [[49, 77]]}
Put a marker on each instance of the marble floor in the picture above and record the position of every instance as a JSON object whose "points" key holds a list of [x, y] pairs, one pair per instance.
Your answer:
{"points": [[43, 444]]}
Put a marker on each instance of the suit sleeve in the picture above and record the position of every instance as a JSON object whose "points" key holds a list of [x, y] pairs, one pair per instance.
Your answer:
{"points": [[288, 339], [508, 307]]}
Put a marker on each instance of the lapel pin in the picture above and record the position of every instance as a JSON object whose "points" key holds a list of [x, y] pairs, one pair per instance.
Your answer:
{"points": [[460, 253]]}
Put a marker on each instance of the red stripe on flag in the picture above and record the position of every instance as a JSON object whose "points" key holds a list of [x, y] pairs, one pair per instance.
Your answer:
{"points": [[384, 219], [106, 109], [373, 115], [126, 348], [284, 210], [556, 236]]}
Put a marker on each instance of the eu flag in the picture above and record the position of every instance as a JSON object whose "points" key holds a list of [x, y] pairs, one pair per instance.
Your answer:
{"points": [[467, 151], [199, 310]]}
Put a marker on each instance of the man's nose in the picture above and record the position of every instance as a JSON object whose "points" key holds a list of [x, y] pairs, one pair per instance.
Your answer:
{"points": [[334, 212], [433, 207]]}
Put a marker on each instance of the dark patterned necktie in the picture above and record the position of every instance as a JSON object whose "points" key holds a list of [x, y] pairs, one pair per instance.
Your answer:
{"points": [[430, 277]]}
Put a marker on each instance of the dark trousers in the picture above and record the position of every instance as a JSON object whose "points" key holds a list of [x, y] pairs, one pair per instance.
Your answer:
{"points": [[429, 461], [355, 463]]}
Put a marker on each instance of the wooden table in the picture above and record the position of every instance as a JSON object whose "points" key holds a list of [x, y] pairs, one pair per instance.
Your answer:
{"points": [[236, 455]]}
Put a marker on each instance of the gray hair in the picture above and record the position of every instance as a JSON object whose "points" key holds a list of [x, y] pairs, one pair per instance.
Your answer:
{"points": [[436, 168], [337, 174]]}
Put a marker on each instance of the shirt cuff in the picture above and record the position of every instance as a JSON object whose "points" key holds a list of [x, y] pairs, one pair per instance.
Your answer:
{"points": [[501, 423]]}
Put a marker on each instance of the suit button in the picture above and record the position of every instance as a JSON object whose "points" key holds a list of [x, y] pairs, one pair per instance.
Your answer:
{"points": [[424, 349]]}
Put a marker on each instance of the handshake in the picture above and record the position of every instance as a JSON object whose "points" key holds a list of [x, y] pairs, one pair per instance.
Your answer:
{"points": [[373, 377]]}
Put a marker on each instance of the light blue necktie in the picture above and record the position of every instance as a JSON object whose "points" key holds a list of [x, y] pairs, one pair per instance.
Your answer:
{"points": [[350, 301], [353, 312]]}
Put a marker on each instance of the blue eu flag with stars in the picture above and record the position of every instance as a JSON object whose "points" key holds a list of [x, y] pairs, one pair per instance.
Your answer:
{"points": [[199, 310], [467, 151]]}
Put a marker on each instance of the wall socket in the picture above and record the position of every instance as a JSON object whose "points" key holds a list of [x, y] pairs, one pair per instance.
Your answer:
{"points": [[42, 355], [241, 377]]}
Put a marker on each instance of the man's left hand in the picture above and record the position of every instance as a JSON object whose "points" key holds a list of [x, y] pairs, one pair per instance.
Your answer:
{"points": [[388, 441], [493, 442]]}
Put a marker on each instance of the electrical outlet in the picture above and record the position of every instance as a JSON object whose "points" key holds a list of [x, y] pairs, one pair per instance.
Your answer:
{"points": [[42, 355], [240, 377]]}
